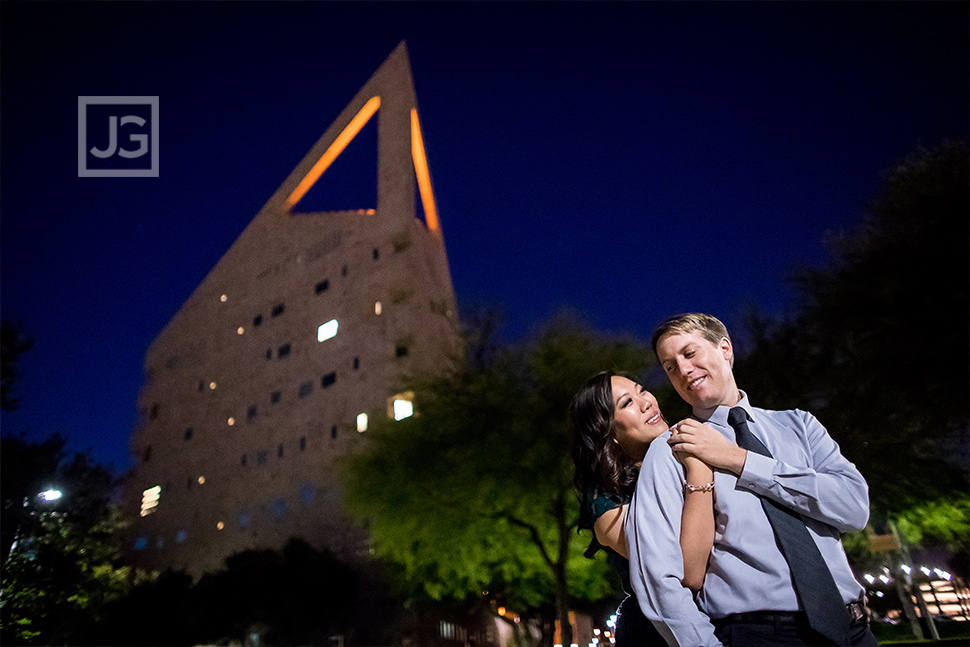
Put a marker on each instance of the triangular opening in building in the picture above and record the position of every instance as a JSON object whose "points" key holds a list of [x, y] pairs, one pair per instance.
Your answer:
{"points": [[349, 181]]}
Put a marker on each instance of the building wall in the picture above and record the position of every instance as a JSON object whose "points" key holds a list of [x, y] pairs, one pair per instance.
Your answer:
{"points": [[244, 414]]}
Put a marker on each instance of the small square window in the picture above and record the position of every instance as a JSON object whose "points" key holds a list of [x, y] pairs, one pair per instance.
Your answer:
{"points": [[269, 353], [333, 431], [283, 351], [188, 433], [261, 458], [306, 389], [302, 443], [275, 397], [279, 451], [327, 330], [322, 286], [154, 412], [278, 310], [377, 253], [356, 363], [328, 379], [343, 271], [242, 461], [147, 455], [251, 413], [401, 351], [258, 319], [180, 537]]}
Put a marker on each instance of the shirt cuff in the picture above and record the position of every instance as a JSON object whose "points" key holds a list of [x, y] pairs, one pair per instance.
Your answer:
{"points": [[758, 472]]}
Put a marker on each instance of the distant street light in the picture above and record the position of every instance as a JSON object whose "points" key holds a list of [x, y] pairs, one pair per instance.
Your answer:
{"points": [[51, 495]]}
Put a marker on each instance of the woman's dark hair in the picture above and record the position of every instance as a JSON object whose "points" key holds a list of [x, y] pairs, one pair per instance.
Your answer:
{"points": [[602, 468]]}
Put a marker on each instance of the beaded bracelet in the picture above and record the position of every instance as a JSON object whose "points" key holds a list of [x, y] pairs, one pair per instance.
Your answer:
{"points": [[707, 487]]}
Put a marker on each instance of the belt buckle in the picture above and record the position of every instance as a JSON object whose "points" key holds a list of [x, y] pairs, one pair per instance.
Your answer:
{"points": [[857, 610]]}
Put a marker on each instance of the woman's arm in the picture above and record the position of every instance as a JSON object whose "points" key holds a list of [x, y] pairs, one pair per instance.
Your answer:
{"points": [[697, 523], [609, 528]]}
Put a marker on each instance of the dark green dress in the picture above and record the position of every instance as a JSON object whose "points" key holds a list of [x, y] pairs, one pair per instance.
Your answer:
{"points": [[632, 627]]}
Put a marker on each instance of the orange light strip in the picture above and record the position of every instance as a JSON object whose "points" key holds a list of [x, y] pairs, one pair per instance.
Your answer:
{"points": [[335, 149], [424, 176]]}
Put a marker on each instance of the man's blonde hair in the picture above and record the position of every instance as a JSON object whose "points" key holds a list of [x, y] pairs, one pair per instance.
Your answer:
{"points": [[707, 326]]}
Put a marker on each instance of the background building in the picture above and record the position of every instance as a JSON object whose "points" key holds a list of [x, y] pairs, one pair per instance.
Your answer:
{"points": [[298, 337]]}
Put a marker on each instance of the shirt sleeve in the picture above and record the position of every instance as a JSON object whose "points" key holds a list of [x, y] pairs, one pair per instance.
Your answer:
{"points": [[656, 560], [829, 489]]}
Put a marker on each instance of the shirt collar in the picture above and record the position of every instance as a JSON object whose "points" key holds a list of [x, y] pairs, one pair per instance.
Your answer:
{"points": [[719, 414]]}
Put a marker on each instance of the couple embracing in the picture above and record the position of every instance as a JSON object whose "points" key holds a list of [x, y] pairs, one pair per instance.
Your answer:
{"points": [[725, 526]]}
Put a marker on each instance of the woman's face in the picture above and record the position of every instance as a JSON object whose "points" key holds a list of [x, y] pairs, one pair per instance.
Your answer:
{"points": [[636, 417]]}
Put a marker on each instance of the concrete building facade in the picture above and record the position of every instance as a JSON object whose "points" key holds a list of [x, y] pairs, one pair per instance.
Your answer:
{"points": [[274, 367]]}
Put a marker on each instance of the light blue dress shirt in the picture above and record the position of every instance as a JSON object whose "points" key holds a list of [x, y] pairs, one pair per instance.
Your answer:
{"points": [[746, 571]]}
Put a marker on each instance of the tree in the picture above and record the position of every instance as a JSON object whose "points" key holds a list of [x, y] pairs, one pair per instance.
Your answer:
{"points": [[13, 344], [877, 346], [61, 565], [475, 490]]}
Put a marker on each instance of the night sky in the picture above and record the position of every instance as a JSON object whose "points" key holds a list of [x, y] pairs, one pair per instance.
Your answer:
{"points": [[629, 160]]}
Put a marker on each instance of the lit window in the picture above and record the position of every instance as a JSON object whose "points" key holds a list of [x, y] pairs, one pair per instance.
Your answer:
{"points": [[362, 422], [327, 331], [401, 406], [212, 386], [141, 543], [201, 480], [243, 519], [220, 525], [240, 330], [149, 500], [223, 298], [279, 509], [231, 421], [378, 307], [180, 537]]}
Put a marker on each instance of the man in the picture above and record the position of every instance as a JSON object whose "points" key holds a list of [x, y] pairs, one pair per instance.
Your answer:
{"points": [[751, 595]]}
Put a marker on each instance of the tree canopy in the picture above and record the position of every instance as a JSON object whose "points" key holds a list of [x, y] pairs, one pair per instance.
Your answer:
{"points": [[878, 345], [474, 492]]}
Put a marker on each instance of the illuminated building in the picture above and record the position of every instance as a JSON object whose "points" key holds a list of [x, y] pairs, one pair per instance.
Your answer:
{"points": [[269, 373]]}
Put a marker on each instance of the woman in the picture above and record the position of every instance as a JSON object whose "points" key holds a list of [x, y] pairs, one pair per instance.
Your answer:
{"points": [[614, 420]]}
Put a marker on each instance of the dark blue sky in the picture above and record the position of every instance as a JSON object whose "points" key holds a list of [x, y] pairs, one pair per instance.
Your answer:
{"points": [[629, 160]]}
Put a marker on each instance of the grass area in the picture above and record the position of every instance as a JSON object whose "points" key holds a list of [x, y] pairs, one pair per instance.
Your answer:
{"points": [[951, 633]]}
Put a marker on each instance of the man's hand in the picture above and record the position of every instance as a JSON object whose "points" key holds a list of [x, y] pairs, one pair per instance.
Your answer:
{"points": [[699, 440]]}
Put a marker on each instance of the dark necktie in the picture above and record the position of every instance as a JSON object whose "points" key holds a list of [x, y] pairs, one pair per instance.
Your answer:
{"points": [[814, 585]]}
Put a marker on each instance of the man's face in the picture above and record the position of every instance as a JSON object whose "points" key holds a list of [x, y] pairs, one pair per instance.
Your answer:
{"points": [[699, 371]]}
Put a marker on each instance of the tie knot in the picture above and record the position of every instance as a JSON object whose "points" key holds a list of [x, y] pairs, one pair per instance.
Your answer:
{"points": [[737, 416]]}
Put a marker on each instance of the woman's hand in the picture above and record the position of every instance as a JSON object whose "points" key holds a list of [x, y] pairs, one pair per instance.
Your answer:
{"points": [[694, 439]]}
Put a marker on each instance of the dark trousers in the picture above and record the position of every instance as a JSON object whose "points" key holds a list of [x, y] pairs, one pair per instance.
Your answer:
{"points": [[766, 629], [633, 629]]}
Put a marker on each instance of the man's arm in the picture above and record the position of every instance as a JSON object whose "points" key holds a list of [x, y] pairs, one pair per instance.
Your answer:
{"points": [[656, 560], [830, 489]]}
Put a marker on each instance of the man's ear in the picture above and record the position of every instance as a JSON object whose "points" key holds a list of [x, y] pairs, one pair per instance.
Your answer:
{"points": [[727, 350]]}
